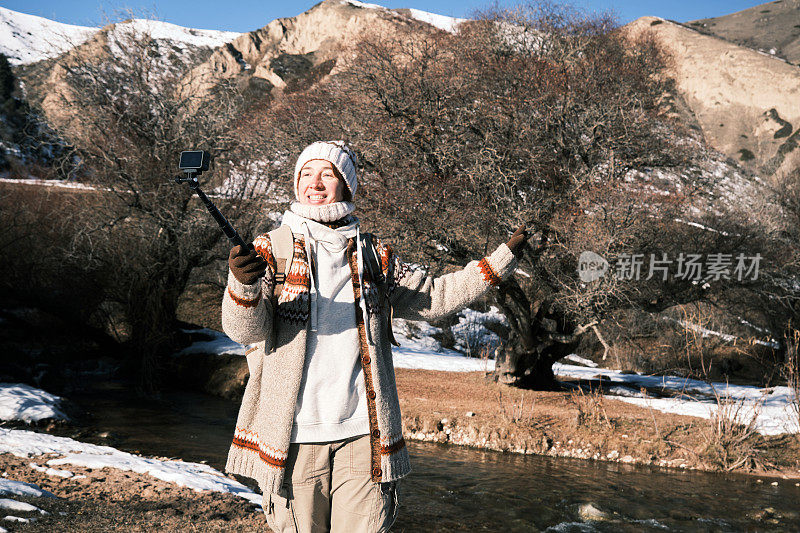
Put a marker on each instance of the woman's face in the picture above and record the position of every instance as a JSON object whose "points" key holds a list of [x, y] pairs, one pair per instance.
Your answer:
{"points": [[319, 183]]}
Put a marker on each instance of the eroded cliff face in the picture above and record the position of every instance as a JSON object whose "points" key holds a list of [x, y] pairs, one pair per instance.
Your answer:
{"points": [[747, 103], [290, 53], [123, 47]]}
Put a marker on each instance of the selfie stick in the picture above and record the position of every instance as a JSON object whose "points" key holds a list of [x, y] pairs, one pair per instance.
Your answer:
{"points": [[193, 163]]}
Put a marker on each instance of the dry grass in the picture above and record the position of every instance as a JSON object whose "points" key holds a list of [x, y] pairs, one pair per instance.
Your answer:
{"points": [[591, 408], [513, 411], [731, 439]]}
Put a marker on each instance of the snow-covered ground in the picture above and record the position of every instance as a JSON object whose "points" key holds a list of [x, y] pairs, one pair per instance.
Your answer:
{"points": [[71, 452], [772, 407], [49, 183], [448, 24], [27, 38], [20, 402]]}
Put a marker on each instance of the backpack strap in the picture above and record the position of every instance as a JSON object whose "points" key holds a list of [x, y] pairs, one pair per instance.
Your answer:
{"points": [[374, 266], [282, 240]]}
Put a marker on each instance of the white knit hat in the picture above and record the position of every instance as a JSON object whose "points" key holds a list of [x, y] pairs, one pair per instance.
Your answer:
{"points": [[338, 154]]}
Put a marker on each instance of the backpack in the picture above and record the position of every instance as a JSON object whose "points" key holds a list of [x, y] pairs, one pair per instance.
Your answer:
{"points": [[282, 240]]}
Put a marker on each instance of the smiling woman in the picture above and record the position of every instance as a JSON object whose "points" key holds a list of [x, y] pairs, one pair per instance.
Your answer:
{"points": [[320, 427]]}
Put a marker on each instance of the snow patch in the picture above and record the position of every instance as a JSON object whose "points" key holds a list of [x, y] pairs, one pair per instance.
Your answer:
{"points": [[7, 504], [52, 471], [448, 24], [362, 4], [412, 357], [50, 183], [17, 519], [217, 343], [21, 488], [195, 476], [28, 404], [575, 358]]}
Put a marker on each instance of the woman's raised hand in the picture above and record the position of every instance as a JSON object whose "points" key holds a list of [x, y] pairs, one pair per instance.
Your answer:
{"points": [[246, 265], [518, 241]]}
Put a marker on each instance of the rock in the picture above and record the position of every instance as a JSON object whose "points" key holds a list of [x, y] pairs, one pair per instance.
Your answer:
{"points": [[588, 511], [470, 413], [679, 514]]}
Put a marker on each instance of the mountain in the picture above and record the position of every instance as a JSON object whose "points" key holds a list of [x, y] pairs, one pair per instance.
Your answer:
{"points": [[26, 39], [282, 55], [746, 103], [289, 52], [773, 28]]}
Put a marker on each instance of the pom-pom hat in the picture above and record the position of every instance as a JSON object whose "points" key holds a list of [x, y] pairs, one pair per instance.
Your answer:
{"points": [[338, 154]]}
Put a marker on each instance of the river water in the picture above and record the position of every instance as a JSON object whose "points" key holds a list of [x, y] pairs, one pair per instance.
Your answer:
{"points": [[460, 489]]}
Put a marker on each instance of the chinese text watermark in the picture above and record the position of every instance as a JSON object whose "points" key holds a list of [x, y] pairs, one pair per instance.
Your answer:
{"points": [[688, 267]]}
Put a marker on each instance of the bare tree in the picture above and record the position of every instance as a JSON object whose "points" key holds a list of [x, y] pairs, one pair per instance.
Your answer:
{"points": [[537, 115], [127, 105]]}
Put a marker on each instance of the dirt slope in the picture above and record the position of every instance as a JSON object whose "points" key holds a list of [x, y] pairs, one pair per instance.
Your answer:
{"points": [[747, 103], [773, 27]]}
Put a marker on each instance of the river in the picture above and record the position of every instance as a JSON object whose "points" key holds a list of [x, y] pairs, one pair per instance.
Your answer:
{"points": [[460, 489]]}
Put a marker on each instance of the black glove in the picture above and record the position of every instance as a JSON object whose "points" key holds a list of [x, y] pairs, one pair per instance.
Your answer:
{"points": [[247, 266]]}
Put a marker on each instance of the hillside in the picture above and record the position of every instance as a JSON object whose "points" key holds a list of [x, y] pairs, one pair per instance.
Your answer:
{"points": [[290, 52], [26, 39], [773, 28], [745, 102]]}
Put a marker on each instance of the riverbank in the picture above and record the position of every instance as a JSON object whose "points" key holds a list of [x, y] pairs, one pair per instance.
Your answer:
{"points": [[109, 499], [463, 408]]}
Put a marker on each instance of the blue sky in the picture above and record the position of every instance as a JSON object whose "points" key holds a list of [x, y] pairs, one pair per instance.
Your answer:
{"points": [[247, 15]]}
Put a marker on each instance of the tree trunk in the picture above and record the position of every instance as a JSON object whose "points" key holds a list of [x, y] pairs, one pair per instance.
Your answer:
{"points": [[531, 369]]}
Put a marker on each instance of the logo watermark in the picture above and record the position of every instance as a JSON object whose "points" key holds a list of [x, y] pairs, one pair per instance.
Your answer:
{"points": [[688, 267]]}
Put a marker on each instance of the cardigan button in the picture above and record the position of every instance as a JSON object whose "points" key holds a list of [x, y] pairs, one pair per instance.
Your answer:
{"points": [[376, 433], [371, 396], [366, 360], [377, 471]]}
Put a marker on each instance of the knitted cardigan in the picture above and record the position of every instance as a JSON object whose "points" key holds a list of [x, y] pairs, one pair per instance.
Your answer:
{"points": [[263, 428]]}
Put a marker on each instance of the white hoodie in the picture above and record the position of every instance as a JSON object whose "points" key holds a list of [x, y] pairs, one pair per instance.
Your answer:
{"points": [[332, 403]]}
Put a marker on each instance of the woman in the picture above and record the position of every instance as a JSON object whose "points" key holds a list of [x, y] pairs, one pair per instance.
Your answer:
{"points": [[319, 427]]}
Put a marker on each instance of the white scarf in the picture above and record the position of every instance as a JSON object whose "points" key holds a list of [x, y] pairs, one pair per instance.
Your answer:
{"points": [[323, 213]]}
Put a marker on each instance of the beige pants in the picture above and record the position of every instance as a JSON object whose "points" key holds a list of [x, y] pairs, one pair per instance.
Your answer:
{"points": [[327, 487]]}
